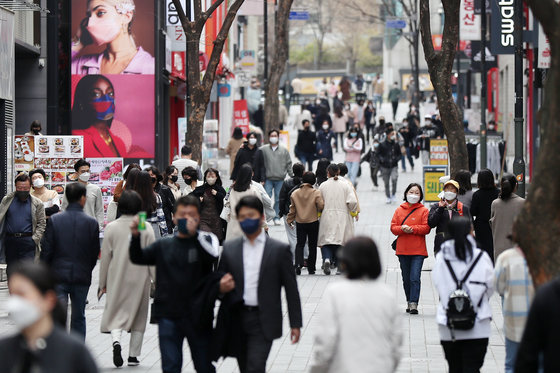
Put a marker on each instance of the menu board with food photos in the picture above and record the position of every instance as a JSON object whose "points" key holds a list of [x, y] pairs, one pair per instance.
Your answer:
{"points": [[24, 151], [106, 174], [56, 155]]}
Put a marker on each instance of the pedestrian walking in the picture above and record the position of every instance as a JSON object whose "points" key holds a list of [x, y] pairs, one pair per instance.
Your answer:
{"points": [[446, 210], [306, 145], [410, 225], [183, 263], [325, 137], [362, 327], [158, 217], [539, 346], [378, 91], [151, 202], [504, 210], [304, 114], [481, 209], [339, 120], [250, 153], [121, 185], [463, 276], [369, 118], [306, 205], [127, 285], [465, 195], [514, 284], [343, 172], [50, 198], [240, 189], [372, 157], [389, 154], [184, 162], [290, 186], [408, 143], [211, 195], [233, 146], [169, 191], [94, 201], [41, 343], [394, 98], [189, 176], [171, 180], [336, 224], [353, 146], [22, 220], [71, 248], [261, 267], [344, 87], [321, 170]]}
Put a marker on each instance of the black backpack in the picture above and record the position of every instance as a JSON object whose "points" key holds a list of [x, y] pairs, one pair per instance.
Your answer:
{"points": [[460, 311]]}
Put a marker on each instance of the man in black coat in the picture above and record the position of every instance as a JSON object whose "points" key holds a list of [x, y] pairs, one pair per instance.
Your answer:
{"points": [[389, 154], [306, 145], [71, 248], [250, 153], [260, 267]]}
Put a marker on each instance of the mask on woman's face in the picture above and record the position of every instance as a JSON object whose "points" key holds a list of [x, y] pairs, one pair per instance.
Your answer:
{"points": [[22, 312], [450, 196], [211, 180], [104, 107], [353, 134], [325, 127], [103, 30], [36, 131], [252, 141], [174, 178], [412, 198], [39, 182]]}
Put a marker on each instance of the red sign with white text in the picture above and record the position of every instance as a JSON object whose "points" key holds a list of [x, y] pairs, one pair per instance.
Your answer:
{"points": [[241, 116]]}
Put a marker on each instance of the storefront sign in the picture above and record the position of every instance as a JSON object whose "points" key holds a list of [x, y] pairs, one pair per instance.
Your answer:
{"points": [[247, 61], [181, 130], [502, 27], [439, 153], [106, 174], [241, 116], [491, 60], [544, 50], [432, 186], [178, 65], [24, 153], [469, 21]]}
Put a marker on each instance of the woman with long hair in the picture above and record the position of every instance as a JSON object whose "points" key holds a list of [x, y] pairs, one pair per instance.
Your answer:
{"points": [[464, 348], [151, 202], [353, 146], [481, 208], [241, 188], [339, 120], [41, 343], [465, 195], [211, 195], [503, 212], [121, 184], [170, 177], [321, 170]]}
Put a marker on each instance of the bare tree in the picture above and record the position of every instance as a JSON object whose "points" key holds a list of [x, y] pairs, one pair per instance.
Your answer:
{"points": [[281, 48], [537, 228], [440, 66], [200, 89], [323, 13]]}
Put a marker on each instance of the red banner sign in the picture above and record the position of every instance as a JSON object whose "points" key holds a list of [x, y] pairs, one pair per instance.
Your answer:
{"points": [[241, 115]]}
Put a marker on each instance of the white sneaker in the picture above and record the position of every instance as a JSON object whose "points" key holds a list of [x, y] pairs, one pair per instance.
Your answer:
{"points": [[389, 201], [276, 221], [327, 267], [393, 199]]}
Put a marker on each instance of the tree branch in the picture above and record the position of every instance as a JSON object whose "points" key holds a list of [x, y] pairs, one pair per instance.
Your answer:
{"points": [[210, 10], [182, 16], [197, 7], [426, 31], [548, 14]]}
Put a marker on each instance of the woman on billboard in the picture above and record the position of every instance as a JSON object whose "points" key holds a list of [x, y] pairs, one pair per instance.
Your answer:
{"points": [[93, 115], [108, 23]]}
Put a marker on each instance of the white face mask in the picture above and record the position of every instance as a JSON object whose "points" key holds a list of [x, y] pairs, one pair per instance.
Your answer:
{"points": [[450, 196], [252, 141], [38, 183], [22, 312], [325, 127], [211, 180], [85, 177], [412, 198], [273, 140]]}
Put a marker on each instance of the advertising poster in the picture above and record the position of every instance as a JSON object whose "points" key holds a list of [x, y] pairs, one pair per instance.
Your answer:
{"points": [[439, 153], [113, 67], [106, 174], [241, 116], [56, 155], [24, 147], [432, 186]]}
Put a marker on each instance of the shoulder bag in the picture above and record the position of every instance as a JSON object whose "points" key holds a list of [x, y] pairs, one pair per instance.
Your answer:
{"points": [[394, 244]]}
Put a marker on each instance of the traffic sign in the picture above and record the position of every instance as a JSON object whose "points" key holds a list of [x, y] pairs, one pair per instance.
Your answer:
{"points": [[299, 15], [396, 23]]}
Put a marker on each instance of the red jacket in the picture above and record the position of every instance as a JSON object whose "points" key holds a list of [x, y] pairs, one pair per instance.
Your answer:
{"points": [[415, 243]]}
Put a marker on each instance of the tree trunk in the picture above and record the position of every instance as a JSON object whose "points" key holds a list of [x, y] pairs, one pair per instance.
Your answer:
{"points": [[271, 107], [416, 67], [440, 66], [537, 229]]}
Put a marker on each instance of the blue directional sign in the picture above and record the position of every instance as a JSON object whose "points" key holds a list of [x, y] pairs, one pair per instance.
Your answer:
{"points": [[395, 23], [299, 15]]}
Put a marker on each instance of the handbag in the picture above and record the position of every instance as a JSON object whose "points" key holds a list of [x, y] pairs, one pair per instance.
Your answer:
{"points": [[394, 244]]}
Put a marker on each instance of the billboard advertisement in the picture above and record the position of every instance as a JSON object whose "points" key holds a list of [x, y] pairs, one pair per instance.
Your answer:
{"points": [[113, 77]]}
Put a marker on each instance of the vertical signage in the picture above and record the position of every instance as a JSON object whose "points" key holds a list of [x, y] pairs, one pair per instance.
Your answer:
{"points": [[113, 94], [502, 27], [544, 50], [469, 21], [241, 115]]}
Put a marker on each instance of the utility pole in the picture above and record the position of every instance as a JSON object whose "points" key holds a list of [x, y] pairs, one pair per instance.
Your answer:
{"points": [[460, 99], [265, 42], [483, 89], [519, 162], [188, 90]]}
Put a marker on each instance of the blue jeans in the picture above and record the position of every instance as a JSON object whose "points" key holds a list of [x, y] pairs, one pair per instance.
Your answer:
{"points": [[353, 168], [78, 296], [511, 354], [411, 268], [276, 185], [410, 159], [329, 252], [172, 332], [307, 158]]}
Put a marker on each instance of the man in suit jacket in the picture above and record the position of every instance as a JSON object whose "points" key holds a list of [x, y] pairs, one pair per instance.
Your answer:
{"points": [[260, 267]]}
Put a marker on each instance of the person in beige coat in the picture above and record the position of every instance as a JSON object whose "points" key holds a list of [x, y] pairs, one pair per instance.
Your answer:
{"points": [[127, 285], [504, 210], [233, 146], [336, 223]]}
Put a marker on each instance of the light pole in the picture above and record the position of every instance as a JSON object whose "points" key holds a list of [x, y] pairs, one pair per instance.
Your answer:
{"points": [[483, 89], [519, 162]]}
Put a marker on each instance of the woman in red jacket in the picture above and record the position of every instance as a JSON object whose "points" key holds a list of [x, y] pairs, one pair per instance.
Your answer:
{"points": [[410, 224]]}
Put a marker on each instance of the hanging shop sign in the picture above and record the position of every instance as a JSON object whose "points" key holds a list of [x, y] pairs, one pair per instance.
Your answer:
{"points": [[241, 115], [476, 57], [502, 26], [469, 21], [439, 152], [432, 185]]}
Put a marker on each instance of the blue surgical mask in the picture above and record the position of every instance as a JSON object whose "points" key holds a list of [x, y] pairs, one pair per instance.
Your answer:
{"points": [[182, 226], [353, 134], [250, 226]]}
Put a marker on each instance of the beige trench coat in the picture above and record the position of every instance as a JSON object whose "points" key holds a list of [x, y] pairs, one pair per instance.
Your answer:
{"points": [[336, 225], [128, 285], [233, 227], [502, 217]]}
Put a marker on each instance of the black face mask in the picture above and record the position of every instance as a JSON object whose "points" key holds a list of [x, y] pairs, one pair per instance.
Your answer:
{"points": [[36, 131], [188, 180], [22, 195], [174, 178]]}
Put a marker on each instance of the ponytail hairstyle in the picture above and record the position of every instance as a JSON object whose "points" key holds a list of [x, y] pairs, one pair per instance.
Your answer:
{"points": [[44, 280], [508, 185], [333, 171], [459, 228]]}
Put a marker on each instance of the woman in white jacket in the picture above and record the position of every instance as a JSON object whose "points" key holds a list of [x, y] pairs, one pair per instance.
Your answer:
{"points": [[464, 349], [363, 330]]}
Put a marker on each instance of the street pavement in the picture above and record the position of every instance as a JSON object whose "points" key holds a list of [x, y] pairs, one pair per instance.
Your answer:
{"points": [[421, 350]]}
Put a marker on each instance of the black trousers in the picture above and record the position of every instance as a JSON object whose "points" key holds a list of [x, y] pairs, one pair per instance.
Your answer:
{"points": [[465, 356], [395, 107], [255, 352], [307, 232], [373, 173]]}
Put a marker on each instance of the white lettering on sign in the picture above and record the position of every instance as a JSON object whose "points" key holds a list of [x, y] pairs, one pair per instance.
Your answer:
{"points": [[507, 12]]}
